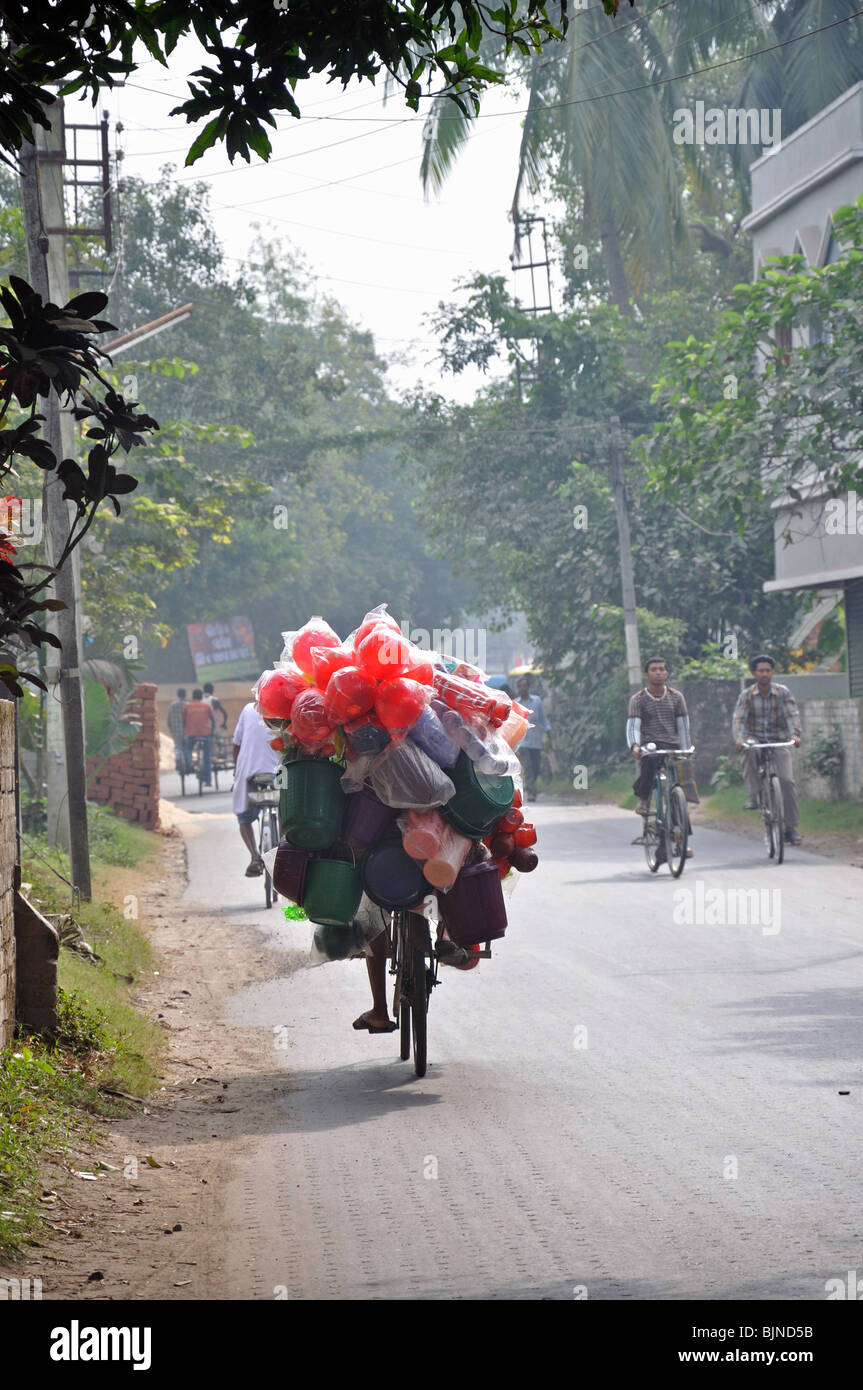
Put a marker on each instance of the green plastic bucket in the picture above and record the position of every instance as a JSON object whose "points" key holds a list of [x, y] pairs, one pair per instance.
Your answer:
{"points": [[312, 803], [480, 799], [333, 892]]}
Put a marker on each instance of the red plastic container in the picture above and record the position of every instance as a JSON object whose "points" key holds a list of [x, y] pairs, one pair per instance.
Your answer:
{"points": [[474, 909]]}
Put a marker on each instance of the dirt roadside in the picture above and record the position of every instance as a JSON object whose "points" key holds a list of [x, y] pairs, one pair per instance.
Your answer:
{"points": [[158, 1235]]}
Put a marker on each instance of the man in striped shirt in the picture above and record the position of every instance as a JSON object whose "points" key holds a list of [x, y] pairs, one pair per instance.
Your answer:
{"points": [[176, 729], [766, 712], [658, 715]]}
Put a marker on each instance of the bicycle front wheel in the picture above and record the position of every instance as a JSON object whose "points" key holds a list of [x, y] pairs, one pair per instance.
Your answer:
{"points": [[676, 832], [653, 839], [777, 820]]}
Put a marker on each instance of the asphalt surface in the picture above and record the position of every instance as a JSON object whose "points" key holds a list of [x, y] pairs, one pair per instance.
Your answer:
{"points": [[639, 1097]]}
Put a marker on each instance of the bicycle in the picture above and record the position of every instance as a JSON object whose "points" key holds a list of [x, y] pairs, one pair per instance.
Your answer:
{"points": [[770, 800], [262, 791], [666, 825], [193, 766], [414, 963]]}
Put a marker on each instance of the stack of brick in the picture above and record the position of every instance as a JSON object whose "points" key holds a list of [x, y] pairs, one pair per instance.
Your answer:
{"points": [[128, 782], [7, 870]]}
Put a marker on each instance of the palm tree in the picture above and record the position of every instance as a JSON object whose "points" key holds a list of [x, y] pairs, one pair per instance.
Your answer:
{"points": [[600, 110]]}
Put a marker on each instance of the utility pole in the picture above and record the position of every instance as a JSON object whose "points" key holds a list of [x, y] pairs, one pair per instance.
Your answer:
{"points": [[43, 205], [627, 582]]}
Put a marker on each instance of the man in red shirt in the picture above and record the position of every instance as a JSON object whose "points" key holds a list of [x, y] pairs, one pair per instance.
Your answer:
{"points": [[199, 725]]}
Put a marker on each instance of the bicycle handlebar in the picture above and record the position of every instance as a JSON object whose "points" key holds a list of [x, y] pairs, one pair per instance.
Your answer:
{"points": [[671, 752], [750, 743]]}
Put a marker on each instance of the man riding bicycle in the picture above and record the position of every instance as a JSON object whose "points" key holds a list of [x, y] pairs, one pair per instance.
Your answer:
{"points": [[766, 712], [658, 715]]}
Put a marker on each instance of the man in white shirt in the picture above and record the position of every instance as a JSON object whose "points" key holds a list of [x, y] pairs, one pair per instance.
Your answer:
{"points": [[252, 753]]}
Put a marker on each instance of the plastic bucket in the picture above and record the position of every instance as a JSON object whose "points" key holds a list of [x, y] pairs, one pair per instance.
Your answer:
{"points": [[391, 878], [289, 872], [333, 892], [480, 799], [366, 819], [473, 909], [424, 833], [312, 802], [442, 868]]}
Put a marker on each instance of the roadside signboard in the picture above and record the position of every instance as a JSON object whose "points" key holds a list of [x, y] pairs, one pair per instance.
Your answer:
{"points": [[223, 650]]}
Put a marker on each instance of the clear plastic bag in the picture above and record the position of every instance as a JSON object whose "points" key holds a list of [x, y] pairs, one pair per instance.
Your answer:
{"points": [[347, 943], [402, 775]]}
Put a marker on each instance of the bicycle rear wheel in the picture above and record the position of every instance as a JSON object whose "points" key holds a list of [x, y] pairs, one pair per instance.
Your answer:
{"points": [[653, 837], [419, 1011], [265, 843], [676, 832], [404, 966], [777, 819]]}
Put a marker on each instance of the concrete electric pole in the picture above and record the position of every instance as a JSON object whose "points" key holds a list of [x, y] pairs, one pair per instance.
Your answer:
{"points": [[627, 582], [43, 205]]}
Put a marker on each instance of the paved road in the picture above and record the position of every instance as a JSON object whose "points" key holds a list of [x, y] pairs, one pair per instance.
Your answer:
{"points": [[626, 1102]]}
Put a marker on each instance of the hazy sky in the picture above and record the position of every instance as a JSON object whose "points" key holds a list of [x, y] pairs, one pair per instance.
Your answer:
{"points": [[343, 186]]}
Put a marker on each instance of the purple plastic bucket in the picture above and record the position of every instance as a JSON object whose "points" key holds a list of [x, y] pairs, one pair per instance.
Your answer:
{"points": [[366, 819], [289, 872], [473, 910]]}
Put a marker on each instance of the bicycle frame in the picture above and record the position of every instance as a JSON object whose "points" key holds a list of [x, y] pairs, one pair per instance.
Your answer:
{"points": [[770, 799], [661, 837]]}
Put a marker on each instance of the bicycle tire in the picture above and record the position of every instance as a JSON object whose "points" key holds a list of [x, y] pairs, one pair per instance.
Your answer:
{"points": [[419, 1011], [652, 835], [264, 837], [676, 832], [766, 818], [403, 977], [777, 820]]}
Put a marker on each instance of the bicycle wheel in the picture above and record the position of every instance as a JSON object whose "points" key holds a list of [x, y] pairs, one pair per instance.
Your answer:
{"points": [[676, 832], [419, 1010], [777, 819], [265, 843], [403, 979], [653, 835], [766, 816]]}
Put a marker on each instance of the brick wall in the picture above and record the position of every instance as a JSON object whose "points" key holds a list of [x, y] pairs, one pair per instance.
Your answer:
{"points": [[128, 782], [7, 870]]}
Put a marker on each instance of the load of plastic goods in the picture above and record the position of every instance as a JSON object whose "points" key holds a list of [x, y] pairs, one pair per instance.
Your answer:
{"points": [[399, 781]]}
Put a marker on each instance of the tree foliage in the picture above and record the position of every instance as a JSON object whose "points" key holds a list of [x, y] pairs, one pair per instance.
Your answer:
{"points": [[742, 415], [256, 53]]}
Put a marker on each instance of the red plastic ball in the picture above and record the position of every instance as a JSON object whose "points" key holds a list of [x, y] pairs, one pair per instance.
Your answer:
{"points": [[309, 722], [384, 653], [525, 835], [350, 693], [327, 660], [277, 692], [376, 620], [314, 633], [420, 668], [399, 704]]}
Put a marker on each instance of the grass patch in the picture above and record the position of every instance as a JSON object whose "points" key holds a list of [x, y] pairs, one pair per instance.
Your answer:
{"points": [[49, 1100], [132, 1045], [615, 787], [816, 817]]}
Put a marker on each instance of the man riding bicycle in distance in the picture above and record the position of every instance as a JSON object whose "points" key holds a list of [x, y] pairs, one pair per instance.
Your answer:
{"points": [[766, 712], [658, 715]]}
